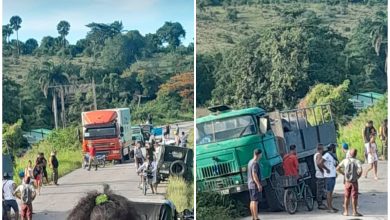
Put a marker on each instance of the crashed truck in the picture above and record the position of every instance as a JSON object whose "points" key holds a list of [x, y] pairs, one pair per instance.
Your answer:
{"points": [[227, 138]]}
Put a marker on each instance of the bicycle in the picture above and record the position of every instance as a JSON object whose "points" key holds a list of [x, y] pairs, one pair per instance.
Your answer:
{"points": [[296, 190], [147, 179], [101, 160]]}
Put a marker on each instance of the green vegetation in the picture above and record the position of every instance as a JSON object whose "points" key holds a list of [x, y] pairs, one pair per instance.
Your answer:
{"points": [[352, 132], [150, 74], [254, 53], [181, 193], [65, 142], [209, 205]]}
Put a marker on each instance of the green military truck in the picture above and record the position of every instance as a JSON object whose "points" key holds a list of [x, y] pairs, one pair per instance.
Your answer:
{"points": [[226, 139]]}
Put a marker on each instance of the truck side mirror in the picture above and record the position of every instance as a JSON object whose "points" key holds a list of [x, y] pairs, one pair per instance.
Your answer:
{"points": [[121, 129], [263, 125]]}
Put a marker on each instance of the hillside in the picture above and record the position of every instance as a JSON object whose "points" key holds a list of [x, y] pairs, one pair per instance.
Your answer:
{"points": [[152, 74], [215, 31]]}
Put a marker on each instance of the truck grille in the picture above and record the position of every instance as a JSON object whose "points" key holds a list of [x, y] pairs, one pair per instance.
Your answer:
{"points": [[218, 184], [218, 169]]}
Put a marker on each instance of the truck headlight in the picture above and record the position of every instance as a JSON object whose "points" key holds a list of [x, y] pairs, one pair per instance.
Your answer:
{"points": [[243, 169], [237, 182]]}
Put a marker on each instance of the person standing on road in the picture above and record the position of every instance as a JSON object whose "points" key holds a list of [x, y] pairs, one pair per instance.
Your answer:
{"points": [[8, 196], [38, 172], [92, 155], [41, 161], [26, 194], [330, 175], [254, 185], [183, 139], [367, 131], [320, 179], [383, 136], [167, 131], [290, 162], [352, 172], [372, 157], [139, 157], [29, 171], [54, 165]]}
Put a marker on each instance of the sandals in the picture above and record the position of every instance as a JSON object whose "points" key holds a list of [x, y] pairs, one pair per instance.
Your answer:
{"points": [[357, 214]]}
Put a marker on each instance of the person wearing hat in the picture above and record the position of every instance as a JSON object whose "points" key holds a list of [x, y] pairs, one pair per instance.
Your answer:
{"points": [[330, 162], [345, 149], [54, 165]]}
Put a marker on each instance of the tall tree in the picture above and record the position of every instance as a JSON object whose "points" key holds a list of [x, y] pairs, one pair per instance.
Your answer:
{"points": [[15, 23], [63, 29], [171, 33], [30, 45]]}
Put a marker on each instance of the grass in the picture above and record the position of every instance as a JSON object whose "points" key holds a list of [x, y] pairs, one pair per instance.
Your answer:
{"points": [[181, 193], [215, 32], [352, 132], [65, 142]]}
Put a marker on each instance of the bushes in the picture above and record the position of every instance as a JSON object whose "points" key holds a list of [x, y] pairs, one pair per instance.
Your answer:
{"points": [[180, 193], [212, 204]]}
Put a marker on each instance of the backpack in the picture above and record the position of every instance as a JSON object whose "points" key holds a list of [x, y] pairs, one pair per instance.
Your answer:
{"points": [[26, 195], [351, 171]]}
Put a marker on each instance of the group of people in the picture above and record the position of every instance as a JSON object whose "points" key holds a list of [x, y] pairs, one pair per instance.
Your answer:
{"points": [[181, 139], [327, 166], [32, 178]]}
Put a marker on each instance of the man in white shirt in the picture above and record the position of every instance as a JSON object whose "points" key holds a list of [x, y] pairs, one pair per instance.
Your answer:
{"points": [[320, 179], [330, 175], [9, 199]]}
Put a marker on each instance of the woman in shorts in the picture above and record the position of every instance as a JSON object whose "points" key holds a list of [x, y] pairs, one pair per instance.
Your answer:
{"points": [[372, 157]]}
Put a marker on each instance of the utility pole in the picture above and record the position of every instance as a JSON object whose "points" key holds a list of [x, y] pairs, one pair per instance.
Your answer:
{"points": [[94, 93]]}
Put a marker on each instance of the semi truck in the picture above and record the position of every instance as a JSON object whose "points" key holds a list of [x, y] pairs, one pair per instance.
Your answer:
{"points": [[109, 131], [227, 138]]}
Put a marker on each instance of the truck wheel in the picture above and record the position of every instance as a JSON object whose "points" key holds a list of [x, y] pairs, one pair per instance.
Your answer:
{"points": [[178, 168], [274, 193]]}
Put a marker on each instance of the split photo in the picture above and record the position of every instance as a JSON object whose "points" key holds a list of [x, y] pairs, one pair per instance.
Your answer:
{"points": [[286, 91], [98, 109]]}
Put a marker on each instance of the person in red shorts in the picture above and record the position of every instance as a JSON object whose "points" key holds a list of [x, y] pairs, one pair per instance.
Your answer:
{"points": [[352, 171], [26, 193], [290, 162], [92, 155]]}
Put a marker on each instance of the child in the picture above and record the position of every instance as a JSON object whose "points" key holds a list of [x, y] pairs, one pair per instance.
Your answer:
{"points": [[143, 171], [26, 194]]}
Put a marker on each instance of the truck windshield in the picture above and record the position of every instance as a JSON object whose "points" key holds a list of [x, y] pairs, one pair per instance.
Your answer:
{"points": [[224, 129], [105, 132]]}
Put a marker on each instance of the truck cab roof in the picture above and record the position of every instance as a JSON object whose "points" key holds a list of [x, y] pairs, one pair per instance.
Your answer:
{"points": [[230, 113]]}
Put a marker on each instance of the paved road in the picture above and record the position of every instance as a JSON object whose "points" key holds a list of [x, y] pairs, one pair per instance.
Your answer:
{"points": [[55, 202], [372, 201]]}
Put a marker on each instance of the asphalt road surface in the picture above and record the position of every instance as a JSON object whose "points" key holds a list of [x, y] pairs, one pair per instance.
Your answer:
{"points": [[372, 201], [56, 202]]}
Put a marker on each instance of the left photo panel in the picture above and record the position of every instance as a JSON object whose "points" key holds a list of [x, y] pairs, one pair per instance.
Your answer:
{"points": [[98, 109]]}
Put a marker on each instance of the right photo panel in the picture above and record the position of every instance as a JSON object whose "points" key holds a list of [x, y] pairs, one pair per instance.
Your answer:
{"points": [[291, 109]]}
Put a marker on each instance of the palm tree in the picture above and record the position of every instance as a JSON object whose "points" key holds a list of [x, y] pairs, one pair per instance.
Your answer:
{"points": [[7, 31], [379, 33], [63, 29], [15, 22], [54, 76]]}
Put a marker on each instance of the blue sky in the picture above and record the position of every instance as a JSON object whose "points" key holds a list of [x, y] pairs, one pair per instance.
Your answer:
{"points": [[40, 17]]}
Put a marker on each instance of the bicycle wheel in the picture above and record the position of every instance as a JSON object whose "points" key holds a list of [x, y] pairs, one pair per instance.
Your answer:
{"points": [[102, 163], [290, 201], [308, 196]]}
